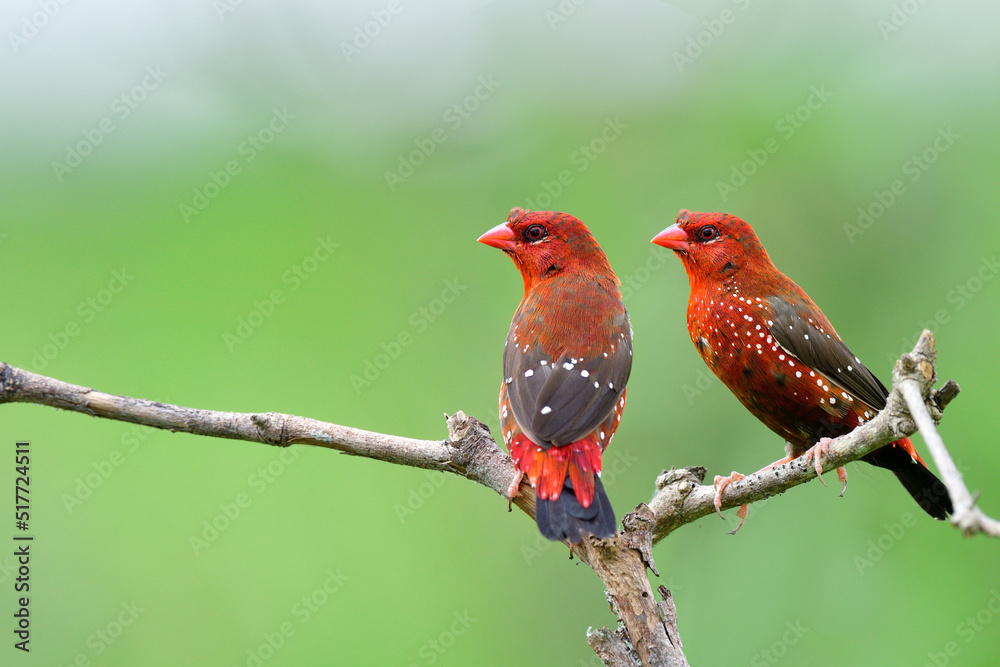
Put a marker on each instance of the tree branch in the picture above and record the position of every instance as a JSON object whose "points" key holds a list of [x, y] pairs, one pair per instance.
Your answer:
{"points": [[967, 517], [649, 633]]}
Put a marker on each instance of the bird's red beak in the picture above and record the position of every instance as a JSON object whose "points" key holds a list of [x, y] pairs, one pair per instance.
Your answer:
{"points": [[672, 237], [501, 237]]}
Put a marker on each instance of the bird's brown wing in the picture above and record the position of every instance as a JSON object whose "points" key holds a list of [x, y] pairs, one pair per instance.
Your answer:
{"points": [[559, 401], [822, 350]]}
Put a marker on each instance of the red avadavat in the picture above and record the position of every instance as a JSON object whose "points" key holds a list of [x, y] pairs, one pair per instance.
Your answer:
{"points": [[776, 351], [567, 358]]}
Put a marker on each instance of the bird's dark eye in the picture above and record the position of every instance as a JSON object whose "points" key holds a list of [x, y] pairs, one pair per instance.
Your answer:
{"points": [[535, 233], [707, 233]]}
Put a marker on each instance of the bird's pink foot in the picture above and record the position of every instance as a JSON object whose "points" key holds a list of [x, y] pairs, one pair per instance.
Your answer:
{"points": [[816, 453], [515, 484], [742, 514], [720, 484]]}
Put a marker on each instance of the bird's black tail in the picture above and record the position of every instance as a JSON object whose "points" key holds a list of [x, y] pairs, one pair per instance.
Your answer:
{"points": [[926, 489], [566, 519]]}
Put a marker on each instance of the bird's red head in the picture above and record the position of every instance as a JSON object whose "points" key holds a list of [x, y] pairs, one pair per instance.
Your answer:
{"points": [[544, 244], [713, 245]]}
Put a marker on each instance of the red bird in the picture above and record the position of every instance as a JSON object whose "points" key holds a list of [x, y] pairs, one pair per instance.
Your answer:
{"points": [[567, 358], [776, 351]]}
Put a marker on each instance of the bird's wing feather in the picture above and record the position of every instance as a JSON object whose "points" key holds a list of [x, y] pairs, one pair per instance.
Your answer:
{"points": [[564, 399], [823, 350]]}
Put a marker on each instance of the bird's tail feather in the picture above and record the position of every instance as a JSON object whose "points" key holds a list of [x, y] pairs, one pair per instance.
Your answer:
{"points": [[566, 519]]}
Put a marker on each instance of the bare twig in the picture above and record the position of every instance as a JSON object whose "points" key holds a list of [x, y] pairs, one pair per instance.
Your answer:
{"points": [[649, 631], [914, 373]]}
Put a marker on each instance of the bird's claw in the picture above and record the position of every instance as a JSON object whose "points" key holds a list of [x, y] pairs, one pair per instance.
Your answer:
{"points": [[512, 489], [816, 454], [720, 485], [842, 476], [742, 514]]}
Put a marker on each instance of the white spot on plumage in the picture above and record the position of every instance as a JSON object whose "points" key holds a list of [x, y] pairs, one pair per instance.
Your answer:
{"points": [[568, 366], [798, 374], [585, 373], [546, 410], [528, 373]]}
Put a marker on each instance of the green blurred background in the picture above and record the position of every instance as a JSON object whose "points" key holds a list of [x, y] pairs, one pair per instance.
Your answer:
{"points": [[272, 285]]}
